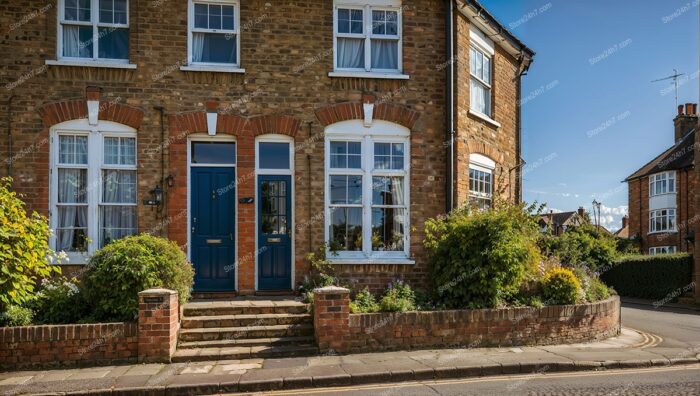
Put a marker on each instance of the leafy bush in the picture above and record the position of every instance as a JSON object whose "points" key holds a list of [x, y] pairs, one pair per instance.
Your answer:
{"points": [[593, 288], [425, 300], [653, 277], [478, 259], [60, 301], [585, 245], [364, 302], [15, 315], [119, 271], [398, 298], [24, 249], [561, 287]]}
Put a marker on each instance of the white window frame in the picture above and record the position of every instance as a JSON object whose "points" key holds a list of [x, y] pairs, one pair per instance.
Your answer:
{"points": [[658, 213], [211, 66], [95, 166], [488, 85], [484, 164], [368, 35], [379, 132], [95, 24], [661, 177], [662, 250]]}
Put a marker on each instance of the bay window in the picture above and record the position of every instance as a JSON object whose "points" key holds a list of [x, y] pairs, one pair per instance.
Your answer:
{"points": [[662, 183], [93, 30], [214, 33], [93, 186], [662, 220], [367, 192], [662, 250]]}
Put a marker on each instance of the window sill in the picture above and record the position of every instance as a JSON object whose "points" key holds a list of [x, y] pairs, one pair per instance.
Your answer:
{"points": [[662, 232], [88, 63], [485, 118], [214, 69], [386, 76], [355, 261]]}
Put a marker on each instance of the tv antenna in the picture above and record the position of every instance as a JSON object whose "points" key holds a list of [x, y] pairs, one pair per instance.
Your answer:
{"points": [[673, 77]]}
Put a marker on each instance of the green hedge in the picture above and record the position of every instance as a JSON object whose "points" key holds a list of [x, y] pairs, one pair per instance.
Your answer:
{"points": [[646, 276]]}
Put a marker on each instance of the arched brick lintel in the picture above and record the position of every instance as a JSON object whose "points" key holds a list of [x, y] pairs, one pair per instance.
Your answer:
{"points": [[398, 114], [58, 112], [487, 150], [196, 122]]}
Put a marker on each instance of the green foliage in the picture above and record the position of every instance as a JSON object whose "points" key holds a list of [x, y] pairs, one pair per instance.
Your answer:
{"points": [[593, 288], [15, 315], [628, 246], [59, 301], [478, 259], [398, 298], [364, 302], [425, 300], [561, 287], [24, 249], [119, 271], [646, 276], [583, 245]]}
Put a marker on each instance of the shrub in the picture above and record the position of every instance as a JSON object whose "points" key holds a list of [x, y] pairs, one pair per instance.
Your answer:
{"points": [[561, 287], [119, 271], [478, 259], [398, 298], [24, 249], [593, 288], [364, 302], [60, 301], [15, 315], [585, 245], [653, 277]]}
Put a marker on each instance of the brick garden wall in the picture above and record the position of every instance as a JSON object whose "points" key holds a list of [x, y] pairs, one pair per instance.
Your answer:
{"points": [[65, 345], [338, 330]]}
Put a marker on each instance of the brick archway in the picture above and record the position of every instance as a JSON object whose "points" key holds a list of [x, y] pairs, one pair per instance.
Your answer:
{"points": [[476, 147], [58, 112], [398, 114]]}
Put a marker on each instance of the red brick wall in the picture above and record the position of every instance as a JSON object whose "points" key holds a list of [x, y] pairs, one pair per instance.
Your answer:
{"points": [[66, 345]]}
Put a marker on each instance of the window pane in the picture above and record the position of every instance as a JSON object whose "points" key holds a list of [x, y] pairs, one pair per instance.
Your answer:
{"points": [[343, 20], [72, 150], [346, 155], [116, 222], [71, 230], [120, 15], [351, 53], [388, 190], [487, 70], [227, 17], [106, 11], [356, 21], [214, 48], [119, 151], [378, 22], [213, 153], [480, 97], [201, 16], [392, 25], [339, 189], [479, 63], [274, 155], [77, 10], [113, 43], [385, 54], [346, 229], [118, 186], [77, 41], [472, 60], [214, 16], [72, 186], [388, 229]]}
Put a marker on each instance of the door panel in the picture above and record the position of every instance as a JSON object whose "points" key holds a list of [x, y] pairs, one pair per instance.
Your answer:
{"points": [[274, 232], [213, 228]]}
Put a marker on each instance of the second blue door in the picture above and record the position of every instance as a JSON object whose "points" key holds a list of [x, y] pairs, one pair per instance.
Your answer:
{"points": [[274, 233]]}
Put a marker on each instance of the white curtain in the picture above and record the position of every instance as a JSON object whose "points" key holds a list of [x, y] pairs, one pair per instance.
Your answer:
{"points": [[479, 98], [71, 41], [117, 222], [197, 47], [351, 53], [119, 186], [71, 220], [385, 54], [398, 198]]}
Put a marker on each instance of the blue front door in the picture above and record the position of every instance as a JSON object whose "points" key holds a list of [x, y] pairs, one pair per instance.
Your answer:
{"points": [[213, 228], [274, 232]]}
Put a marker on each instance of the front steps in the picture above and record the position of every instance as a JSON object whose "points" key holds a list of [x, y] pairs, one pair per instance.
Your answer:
{"points": [[244, 328]]}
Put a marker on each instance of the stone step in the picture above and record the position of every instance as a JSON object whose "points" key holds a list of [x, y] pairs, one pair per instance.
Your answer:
{"points": [[249, 342], [234, 333], [245, 307], [236, 353], [196, 322]]}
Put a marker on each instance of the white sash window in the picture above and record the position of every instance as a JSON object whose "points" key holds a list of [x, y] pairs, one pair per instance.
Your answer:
{"points": [[214, 33], [93, 30]]}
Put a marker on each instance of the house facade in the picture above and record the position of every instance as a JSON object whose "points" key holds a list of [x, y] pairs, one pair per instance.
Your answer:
{"points": [[662, 193], [252, 133], [557, 223]]}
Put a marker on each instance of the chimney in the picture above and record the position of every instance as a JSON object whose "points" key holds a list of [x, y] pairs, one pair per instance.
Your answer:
{"points": [[581, 211], [625, 221], [686, 120]]}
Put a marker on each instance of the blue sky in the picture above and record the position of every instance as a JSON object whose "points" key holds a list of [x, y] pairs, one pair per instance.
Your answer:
{"points": [[591, 115]]}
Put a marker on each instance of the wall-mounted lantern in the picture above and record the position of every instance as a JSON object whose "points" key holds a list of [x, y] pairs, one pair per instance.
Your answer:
{"points": [[156, 197]]}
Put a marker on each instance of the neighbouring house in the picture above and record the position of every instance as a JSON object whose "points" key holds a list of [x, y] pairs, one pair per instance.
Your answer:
{"points": [[624, 232], [253, 132], [558, 223], [662, 193]]}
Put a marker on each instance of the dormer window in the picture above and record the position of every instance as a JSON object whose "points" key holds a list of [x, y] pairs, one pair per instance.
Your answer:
{"points": [[662, 183]]}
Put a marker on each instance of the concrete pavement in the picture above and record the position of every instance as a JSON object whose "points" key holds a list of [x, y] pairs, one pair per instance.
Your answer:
{"points": [[630, 349]]}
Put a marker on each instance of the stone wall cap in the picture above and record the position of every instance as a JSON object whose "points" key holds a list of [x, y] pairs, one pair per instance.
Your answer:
{"points": [[331, 290], [158, 291]]}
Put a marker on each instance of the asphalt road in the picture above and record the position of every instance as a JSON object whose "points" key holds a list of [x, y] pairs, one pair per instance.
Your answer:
{"points": [[654, 381], [677, 326]]}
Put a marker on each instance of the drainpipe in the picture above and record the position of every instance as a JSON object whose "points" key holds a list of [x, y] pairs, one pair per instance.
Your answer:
{"points": [[161, 110], [449, 106], [9, 134], [310, 206]]}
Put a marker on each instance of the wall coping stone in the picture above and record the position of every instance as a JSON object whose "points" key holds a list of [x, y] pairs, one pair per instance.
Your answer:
{"points": [[331, 290]]}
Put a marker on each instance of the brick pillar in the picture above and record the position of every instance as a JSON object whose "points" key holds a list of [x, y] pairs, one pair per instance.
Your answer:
{"points": [[331, 318], [158, 325]]}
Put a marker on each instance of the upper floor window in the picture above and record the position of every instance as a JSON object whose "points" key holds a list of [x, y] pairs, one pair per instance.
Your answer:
{"points": [[214, 33], [367, 37], [662, 250], [93, 30], [367, 184], [481, 181], [93, 186], [481, 53], [663, 220], [662, 183]]}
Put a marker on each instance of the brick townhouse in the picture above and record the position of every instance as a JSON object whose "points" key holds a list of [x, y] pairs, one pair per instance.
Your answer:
{"points": [[662, 193], [252, 132]]}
